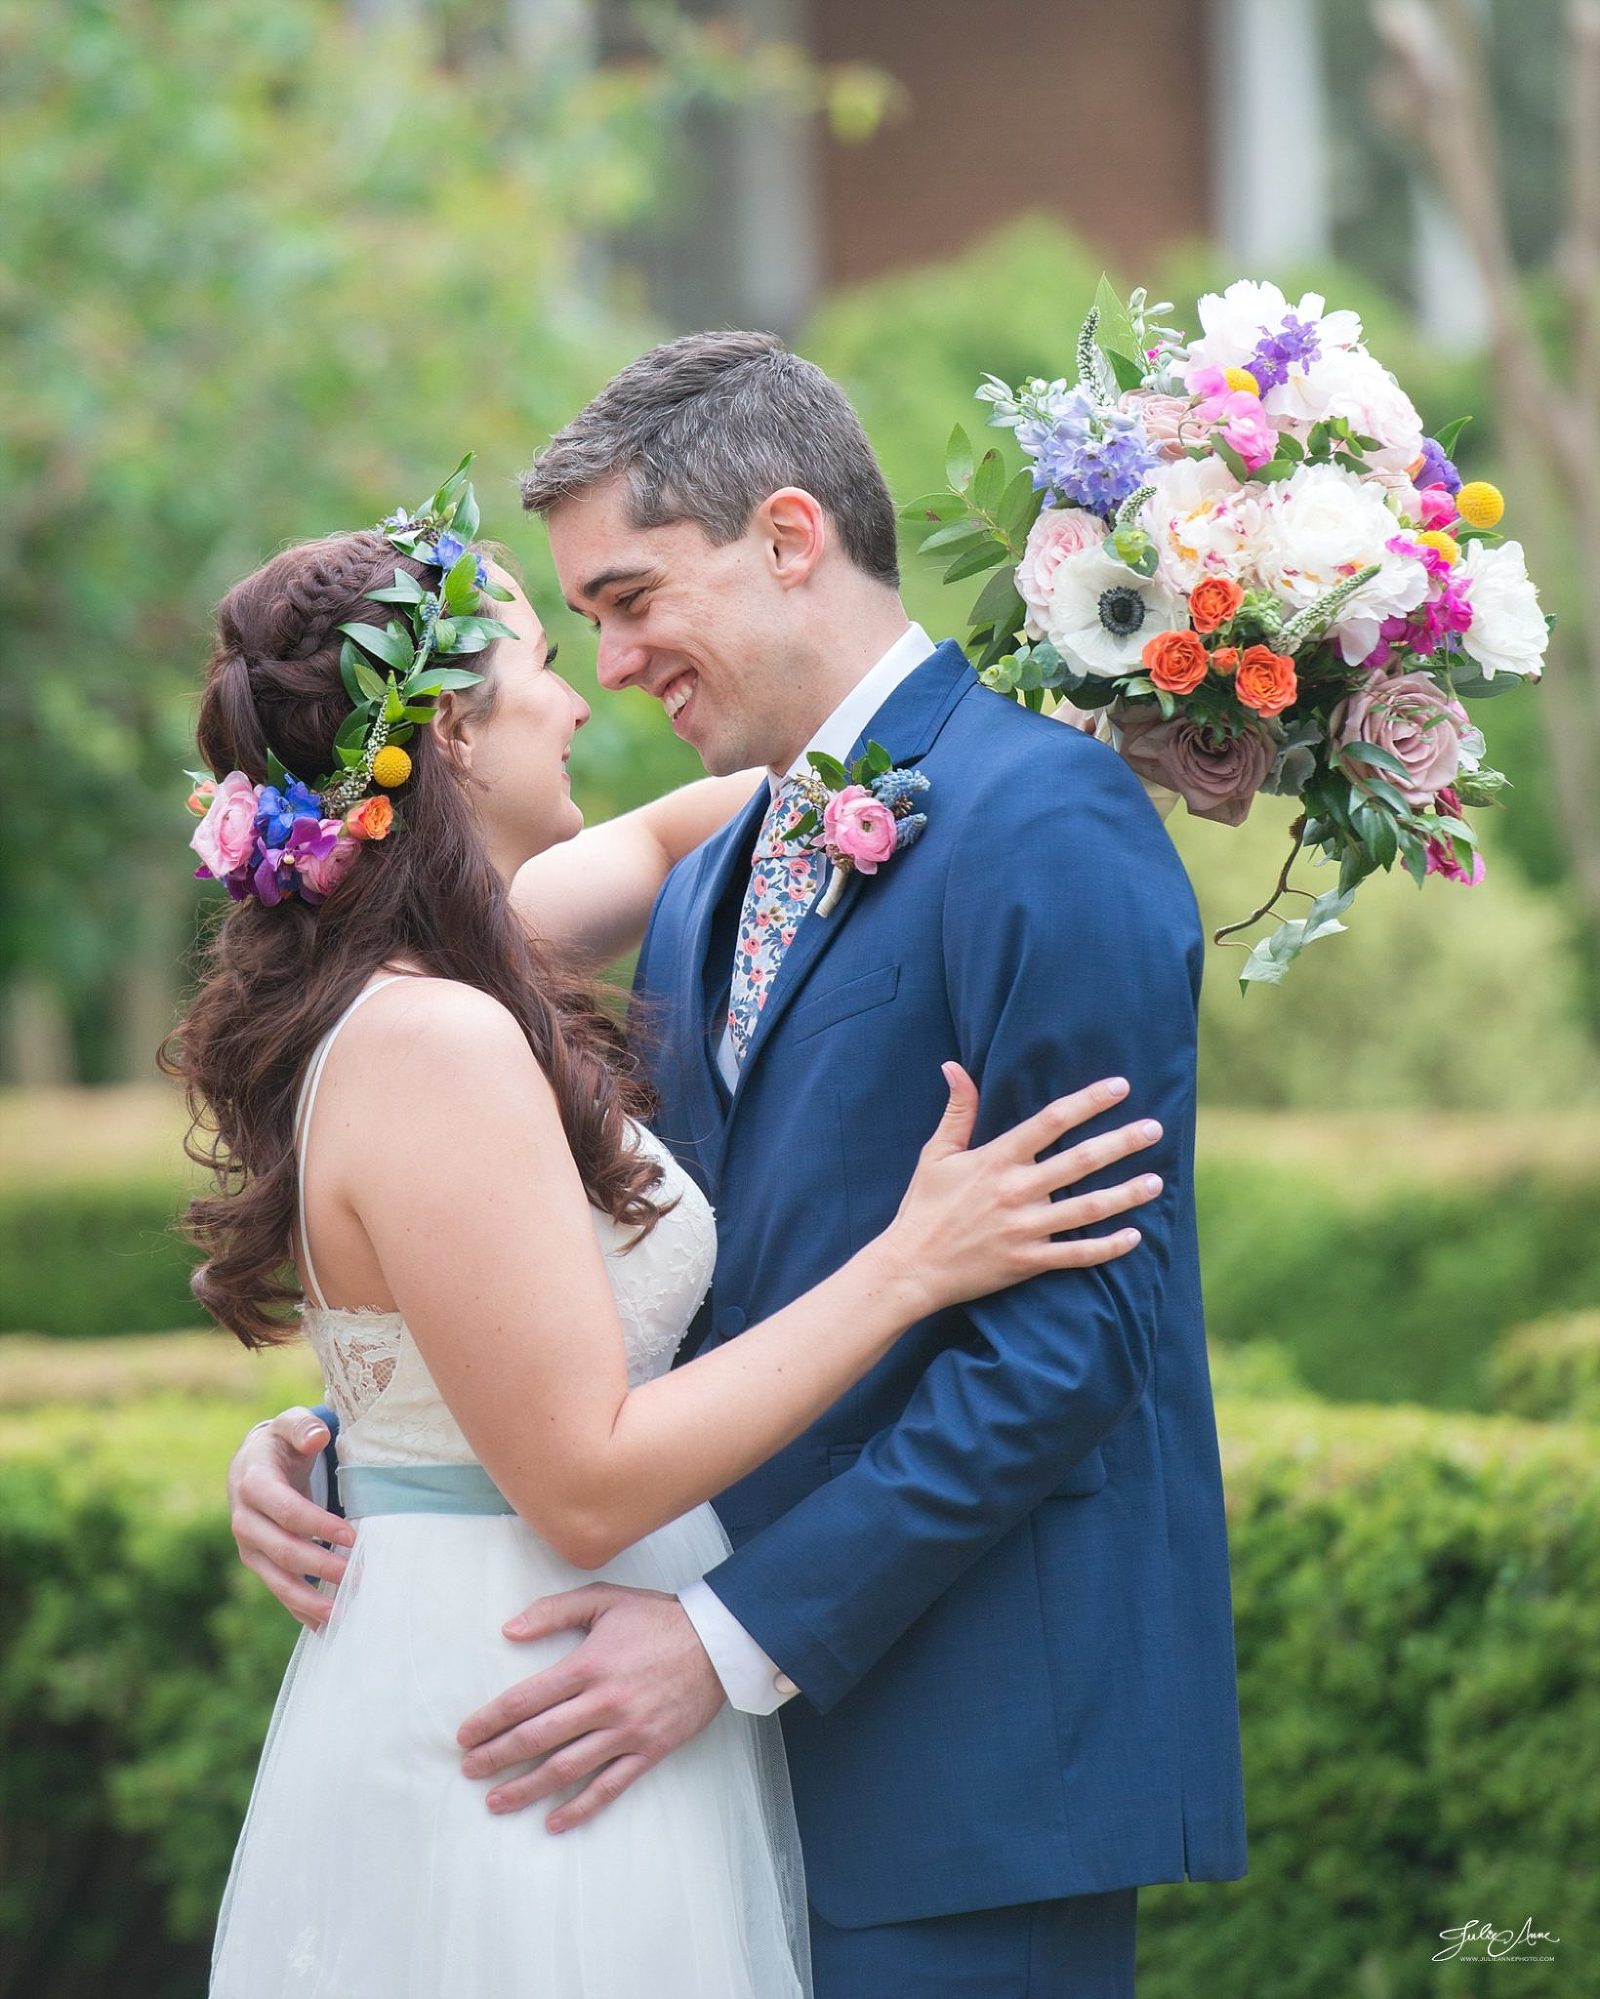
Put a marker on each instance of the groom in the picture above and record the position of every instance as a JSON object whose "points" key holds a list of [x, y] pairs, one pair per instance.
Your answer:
{"points": [[989, 1589]]}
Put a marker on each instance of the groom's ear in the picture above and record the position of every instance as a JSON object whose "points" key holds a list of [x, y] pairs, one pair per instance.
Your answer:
{"points": [[793, 528]]}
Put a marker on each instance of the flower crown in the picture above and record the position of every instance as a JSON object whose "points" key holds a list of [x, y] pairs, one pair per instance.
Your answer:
{"points": [[287, 839]]}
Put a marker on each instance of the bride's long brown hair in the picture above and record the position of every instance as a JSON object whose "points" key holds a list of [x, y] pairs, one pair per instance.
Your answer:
{"points": [[275, 980]]}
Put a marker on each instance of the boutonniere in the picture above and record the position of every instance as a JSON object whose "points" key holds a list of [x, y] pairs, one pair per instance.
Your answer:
{"points": [[861, 816]]}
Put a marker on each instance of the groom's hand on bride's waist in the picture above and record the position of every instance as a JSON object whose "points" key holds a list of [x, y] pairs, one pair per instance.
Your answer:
{"points": [[637, 1687]]}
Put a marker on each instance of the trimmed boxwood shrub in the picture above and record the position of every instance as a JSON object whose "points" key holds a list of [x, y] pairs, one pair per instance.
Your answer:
{"points": [[1377, 1289], [1418, 1610], [94, 1257], [1551, 1368]]}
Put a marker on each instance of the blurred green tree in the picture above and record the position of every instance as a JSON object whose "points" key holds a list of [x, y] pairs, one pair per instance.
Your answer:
{"points": [[265, 272]]}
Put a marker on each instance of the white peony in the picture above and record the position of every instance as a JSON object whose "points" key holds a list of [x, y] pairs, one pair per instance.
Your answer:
{"points": [[1102, 614], [1203, 523], [1235, 322], [1508, 633], [1355, 386], [1318, 529]]}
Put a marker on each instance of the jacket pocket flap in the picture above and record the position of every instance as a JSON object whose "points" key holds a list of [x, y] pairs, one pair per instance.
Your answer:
{"points": [[855, 996]]}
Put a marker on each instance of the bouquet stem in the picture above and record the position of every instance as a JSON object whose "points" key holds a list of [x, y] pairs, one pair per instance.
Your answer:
{"points": [[1297, 834]]}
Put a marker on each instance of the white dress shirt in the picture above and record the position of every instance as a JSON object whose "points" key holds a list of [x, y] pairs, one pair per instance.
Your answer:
{"points": [[752, 1681]]}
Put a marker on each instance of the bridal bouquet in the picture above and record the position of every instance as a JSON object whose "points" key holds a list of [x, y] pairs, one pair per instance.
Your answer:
{"points": [[1242, 550]]}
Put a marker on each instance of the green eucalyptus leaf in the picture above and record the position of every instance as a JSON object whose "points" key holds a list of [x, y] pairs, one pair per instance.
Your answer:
{"points": [[1020, 506], [1231, 459], [998, 604], [430, 680], [966, 529], [933, 507], [393, 707], [830, 770], [989, 483], [389, 645], [976, 560], [1446, 438], [878, 759], [276, 774], [1128, 373], [461, 584], [958, 460]]}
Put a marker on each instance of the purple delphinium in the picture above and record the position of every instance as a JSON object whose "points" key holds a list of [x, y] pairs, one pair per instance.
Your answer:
{"points": [[1436, 469], [1092, 457], [1296, 340]]}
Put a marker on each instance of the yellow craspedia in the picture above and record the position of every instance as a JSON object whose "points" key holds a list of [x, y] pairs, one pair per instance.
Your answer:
{"points": [[1479, 504], [1442, 544], [1241, 381], [391, 766]]}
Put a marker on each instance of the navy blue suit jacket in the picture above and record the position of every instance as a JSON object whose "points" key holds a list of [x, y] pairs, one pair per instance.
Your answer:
{"points": [[997, 1568]]}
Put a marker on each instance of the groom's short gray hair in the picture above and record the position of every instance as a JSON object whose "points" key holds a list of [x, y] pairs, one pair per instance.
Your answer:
{"points": [[706, 427]]}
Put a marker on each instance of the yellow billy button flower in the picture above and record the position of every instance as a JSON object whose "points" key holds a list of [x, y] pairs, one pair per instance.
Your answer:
{"points": [[1479, 504], [1241, 381], [391, 766], [1442, 544]]}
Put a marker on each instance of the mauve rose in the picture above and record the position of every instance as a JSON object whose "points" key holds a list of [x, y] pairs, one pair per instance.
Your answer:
{"points": [[1168, 421], [1413, 718], [1056, 534], [224, 837], [1217, 776], [858, 827]]}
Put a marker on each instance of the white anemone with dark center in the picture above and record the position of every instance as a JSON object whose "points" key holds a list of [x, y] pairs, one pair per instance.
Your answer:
{"points": [[1102, 613]]}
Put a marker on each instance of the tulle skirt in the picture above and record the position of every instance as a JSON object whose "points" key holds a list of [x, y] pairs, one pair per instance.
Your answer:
{"points": [[369, 1867]]}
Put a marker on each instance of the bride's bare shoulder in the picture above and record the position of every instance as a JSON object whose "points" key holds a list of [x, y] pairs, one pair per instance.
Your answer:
{"points": [[442, 1030]]}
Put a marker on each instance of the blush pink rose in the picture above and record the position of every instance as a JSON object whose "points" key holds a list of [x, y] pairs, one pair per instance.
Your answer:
{"points": [[1056, 534], [858, 828], [321, 872], [225, 836], [1413, 718], [1168, 420]]}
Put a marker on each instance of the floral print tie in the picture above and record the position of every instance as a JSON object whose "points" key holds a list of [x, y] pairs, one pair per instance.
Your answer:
{"points": [[785, 874]]}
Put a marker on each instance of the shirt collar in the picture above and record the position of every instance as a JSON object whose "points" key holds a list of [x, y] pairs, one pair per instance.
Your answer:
{"points": [[837, 736]]}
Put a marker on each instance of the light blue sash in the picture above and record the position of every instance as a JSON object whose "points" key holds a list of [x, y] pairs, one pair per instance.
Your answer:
{"points": [[366, 1489]]}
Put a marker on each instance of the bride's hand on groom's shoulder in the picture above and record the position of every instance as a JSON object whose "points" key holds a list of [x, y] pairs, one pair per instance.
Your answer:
{"points": [[978, 1219], [279, 1529]]}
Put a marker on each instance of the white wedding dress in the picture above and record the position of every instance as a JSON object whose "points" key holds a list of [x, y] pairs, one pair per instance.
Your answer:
{"points": [[369, 1867]]}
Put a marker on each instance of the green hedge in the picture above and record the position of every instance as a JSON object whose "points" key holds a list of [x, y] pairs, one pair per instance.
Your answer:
{"points": [[1384, 1291], [1377, 1289], [96, 1257], [1551, 1368], [1418, 1610]]}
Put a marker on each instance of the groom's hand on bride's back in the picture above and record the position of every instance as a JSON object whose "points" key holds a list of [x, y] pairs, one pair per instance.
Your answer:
{"points": [[638, 1686], [278, 1527]]}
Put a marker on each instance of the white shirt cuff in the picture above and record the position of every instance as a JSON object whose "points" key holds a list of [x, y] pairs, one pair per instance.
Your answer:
{"points": [[753, 1683]]}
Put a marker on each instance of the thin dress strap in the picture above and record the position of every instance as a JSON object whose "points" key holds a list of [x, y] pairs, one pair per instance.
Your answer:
{"points": [[308, 1097]]}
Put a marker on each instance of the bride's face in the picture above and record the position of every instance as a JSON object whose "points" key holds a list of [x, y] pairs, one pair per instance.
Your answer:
{"points": [[516, 746]]}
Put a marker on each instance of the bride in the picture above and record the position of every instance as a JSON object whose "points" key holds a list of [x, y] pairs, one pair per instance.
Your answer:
{"points": [[428, 1115]]}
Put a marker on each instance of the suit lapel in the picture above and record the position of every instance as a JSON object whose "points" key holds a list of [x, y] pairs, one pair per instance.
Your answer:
{"points": [[906, 725]]}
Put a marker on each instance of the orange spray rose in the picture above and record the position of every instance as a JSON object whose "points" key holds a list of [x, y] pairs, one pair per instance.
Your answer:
{"points": [[1176, 661], [1266, 680], [1213, 601]]}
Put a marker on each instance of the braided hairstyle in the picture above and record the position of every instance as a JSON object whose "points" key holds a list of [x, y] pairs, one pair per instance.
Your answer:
{"points": [[274, 980]]}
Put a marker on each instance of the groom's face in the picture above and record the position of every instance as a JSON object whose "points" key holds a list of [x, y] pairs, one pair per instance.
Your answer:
{"points": [[706, 630]]}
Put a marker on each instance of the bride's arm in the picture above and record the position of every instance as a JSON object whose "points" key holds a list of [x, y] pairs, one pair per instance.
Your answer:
{"points": [[495, 1267], [589, 899]]}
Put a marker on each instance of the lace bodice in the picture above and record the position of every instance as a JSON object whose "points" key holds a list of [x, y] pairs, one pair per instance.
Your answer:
{"points": [[379, 1386], [389, 1410]]}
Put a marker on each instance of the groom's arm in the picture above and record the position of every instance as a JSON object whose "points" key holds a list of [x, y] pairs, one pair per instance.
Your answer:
{"points": [[1072, 951]]}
